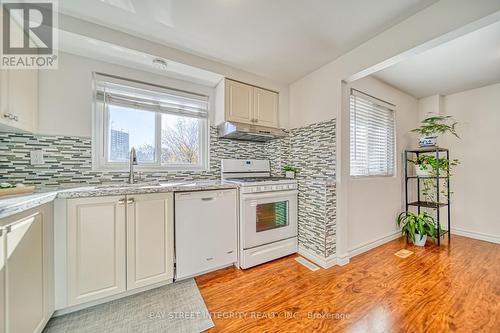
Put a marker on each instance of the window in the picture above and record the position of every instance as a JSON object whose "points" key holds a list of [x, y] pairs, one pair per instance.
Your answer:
{"points": [[168, 128], [372, 136]]}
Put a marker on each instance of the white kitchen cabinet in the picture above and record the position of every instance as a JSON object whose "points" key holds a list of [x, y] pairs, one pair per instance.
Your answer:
{"points": [[26, 277], [19, 97], [150, 239], [239, 102], [206, 231], [244, 103], [115, 244], [2, 282], [266, 107], [96, 258]]}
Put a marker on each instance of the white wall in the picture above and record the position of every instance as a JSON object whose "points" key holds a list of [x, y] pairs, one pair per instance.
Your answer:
{"points": [[430, 106], [118, 38], [321, 94], [475, 184], [375, 202], [65, 94]]}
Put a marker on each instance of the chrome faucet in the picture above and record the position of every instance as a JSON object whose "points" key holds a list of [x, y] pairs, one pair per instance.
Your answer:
{"points": [[132, 162]]}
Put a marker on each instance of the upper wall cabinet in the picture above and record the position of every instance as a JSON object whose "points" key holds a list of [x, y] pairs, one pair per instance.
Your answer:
{"points": [[18, 96], [243, 103], [265, 107], [19, 99]]}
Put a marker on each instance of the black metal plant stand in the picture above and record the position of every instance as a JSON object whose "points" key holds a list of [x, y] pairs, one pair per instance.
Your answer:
{"points": [[426, 204]]}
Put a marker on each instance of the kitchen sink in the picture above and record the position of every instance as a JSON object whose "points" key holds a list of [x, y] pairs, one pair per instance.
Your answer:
{"points": [[127, 185]]}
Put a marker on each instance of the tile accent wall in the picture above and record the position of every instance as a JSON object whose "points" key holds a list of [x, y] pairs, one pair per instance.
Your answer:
{"points": [[313, 152], [68, 161]]}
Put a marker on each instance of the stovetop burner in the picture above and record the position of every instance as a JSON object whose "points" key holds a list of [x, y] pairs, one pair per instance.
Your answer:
{"points": [[257, 179]]}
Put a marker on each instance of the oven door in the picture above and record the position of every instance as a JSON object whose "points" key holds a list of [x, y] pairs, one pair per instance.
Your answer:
{"points": [[268, 217]]}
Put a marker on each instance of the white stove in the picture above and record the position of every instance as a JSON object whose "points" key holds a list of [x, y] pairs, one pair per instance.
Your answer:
{"points": [[268, 211], [264, 184]]}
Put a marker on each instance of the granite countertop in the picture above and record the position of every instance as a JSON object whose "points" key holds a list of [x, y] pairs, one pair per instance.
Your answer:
{"points": [[17, 204]]}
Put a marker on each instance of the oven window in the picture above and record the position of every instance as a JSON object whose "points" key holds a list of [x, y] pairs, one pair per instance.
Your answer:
{"points": [[272, 215]]}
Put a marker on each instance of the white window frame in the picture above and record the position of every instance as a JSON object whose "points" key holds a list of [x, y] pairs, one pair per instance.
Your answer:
{"points": [[100, 129], [383, 104]]}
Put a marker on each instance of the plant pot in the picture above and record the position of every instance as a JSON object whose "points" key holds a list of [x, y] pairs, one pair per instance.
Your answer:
{"points": [[427, 141], [425, 172], [290, 174], [418, 241]]}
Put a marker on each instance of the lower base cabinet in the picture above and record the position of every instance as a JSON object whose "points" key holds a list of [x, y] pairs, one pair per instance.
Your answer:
{"points": [[3, 268], [117, 244], [26, 276], [96, 248], [150, 239]]}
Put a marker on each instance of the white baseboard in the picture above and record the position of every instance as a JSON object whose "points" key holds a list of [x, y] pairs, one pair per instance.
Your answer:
{"points": [[475, 235], [373, 243], [341, 261], [317, 259]]}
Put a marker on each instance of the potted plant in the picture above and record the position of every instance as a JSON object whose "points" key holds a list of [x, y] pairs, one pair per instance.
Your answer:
{"points": [[427, 165], [289, 171], [432, 127], [416, 227]]}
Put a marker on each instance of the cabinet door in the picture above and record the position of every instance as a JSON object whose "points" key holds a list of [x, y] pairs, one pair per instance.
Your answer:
{"points": [[239, 102], [96, 248], [25, 275], [2, 281], [205, 229], [19, 95], [266, 107], [150, 239], [22, 87]]}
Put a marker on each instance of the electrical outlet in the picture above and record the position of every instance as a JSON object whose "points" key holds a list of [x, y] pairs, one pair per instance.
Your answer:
{"points": [[36, 157]]}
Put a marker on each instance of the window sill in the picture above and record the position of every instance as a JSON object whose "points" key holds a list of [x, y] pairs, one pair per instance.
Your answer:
{"points": [[150, 169]]}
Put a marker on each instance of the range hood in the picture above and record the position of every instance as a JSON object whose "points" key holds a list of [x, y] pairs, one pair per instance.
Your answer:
{"points": [[246, 132]]}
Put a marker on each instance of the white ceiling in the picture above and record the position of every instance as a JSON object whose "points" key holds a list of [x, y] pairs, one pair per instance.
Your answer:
{"points": [[279, 39], [468, 62], [103, 51]]}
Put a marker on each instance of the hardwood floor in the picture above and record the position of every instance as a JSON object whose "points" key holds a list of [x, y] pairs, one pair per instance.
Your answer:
{"points": [[452, 288]]}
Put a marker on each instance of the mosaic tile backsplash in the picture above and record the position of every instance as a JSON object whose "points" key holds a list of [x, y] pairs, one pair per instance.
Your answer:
{"points": [[68, 161], [313, 152]]}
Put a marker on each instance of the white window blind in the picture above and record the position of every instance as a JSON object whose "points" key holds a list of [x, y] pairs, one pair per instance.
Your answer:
{"points": [[372, 136], [168, 128], [123, 93]]}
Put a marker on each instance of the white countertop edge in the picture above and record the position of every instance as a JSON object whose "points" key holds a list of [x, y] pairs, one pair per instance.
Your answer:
{"points": [[18, 204]]}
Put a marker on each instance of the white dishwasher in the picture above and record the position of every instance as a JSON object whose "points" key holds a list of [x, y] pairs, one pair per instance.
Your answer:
{"points": [[206, 236]]}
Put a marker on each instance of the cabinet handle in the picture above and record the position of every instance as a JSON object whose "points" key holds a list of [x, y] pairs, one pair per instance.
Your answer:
{"points": [[121, 201], [208, 199], [130, 201], [229, 252], [211, 258]]}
